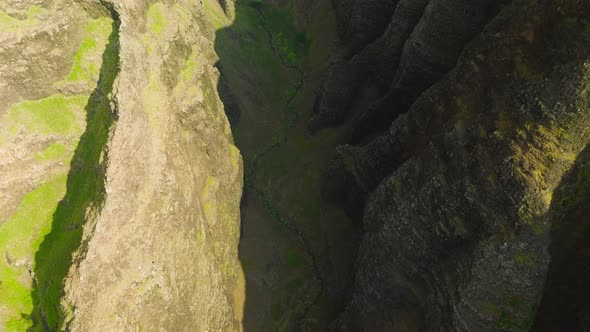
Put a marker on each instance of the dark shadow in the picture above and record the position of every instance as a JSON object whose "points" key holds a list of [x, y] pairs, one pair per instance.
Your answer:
{"points": [[292, 283], [565, 305], [84, 195]]}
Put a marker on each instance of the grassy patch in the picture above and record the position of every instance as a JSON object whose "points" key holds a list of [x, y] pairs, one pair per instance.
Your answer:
{"points": [[216, 15], [20, 237], [26, 237], [84, 191], [87, 60], [156, 19], [258, 55], [53, 152], [294, 259], [12, 24], [56, 114], [289, 40]]}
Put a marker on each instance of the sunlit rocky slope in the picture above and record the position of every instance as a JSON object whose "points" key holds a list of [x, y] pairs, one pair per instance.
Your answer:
{"points": [[120, 182], [294, 165]]}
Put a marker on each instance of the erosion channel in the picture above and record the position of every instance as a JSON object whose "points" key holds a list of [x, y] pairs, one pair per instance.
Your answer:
{"points": [[295, 249]]}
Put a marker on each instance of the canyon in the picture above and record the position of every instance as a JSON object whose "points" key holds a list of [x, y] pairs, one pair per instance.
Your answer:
{"points": [[294, 165]]}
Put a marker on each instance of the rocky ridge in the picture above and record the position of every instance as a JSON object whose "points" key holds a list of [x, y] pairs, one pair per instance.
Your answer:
{"points": [[460, 190], [148, 131]]}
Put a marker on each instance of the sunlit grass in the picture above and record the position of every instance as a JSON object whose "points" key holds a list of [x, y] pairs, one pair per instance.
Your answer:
{"points": [[53, 152], [156, 18], [20, 238], [56, 114], [58, 118], [216, 15], [9, 23], [87, 59]]}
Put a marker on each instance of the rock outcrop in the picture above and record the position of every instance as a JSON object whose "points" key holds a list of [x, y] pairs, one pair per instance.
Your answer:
{"points": [[420, 45], [461, 151], [460, 190], [170, 262], [140, 228]]}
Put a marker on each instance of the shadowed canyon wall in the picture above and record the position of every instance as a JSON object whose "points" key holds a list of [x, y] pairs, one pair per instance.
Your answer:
{"points": [[408, 165], [463, 189]]}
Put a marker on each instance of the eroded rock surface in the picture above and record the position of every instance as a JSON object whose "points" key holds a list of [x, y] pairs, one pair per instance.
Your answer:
{"points": [[170, 262], [457, 229], [461, 144], [419, 45], [118, 158]]}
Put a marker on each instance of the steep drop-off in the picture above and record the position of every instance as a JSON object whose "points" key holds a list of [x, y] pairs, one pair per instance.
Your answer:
{"points": [[162, 252], [120, 181], [465, 189], [58, 65], [408, 165], [295, 250]]}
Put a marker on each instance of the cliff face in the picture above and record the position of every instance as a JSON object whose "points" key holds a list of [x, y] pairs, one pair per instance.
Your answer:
{"points": [[464, 188], [170, 262], [454, 133], [419, 42], [50, 106], [142, 191]]}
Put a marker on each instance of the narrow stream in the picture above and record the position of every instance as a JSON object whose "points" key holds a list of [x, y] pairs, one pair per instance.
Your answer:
{"points": [[291, 114], [295, 249]]}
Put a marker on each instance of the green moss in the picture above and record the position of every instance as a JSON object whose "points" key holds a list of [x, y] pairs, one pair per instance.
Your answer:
{"points": [[85, 191], [12, 24], [294, 260], [56, 114], [216, 15], [190, 67], [87, 59], [522, 258], [156, 18], [53, 152], [489, 308], [235, 157], [35, 11], [516, 315], [20, 237], [208, 197]]}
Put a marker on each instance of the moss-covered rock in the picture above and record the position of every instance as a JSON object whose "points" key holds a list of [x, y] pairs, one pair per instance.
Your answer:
{"points": [[458, 227]]}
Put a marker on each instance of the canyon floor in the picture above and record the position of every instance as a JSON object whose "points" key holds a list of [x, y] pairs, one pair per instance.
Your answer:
{"points": [[294, 165], [295, 249]]}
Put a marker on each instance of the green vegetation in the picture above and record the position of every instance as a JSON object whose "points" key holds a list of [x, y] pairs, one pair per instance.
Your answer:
{"points": [[85, 191], [25, 235], [87, 59], [53, 152], [156, 18], [576, 193], [20, 237], [216, 15], [291, 43], [283, 217], [151, 39], [511, 318], [56, 114], [12, 24], [294, 259], [524, 258]]}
